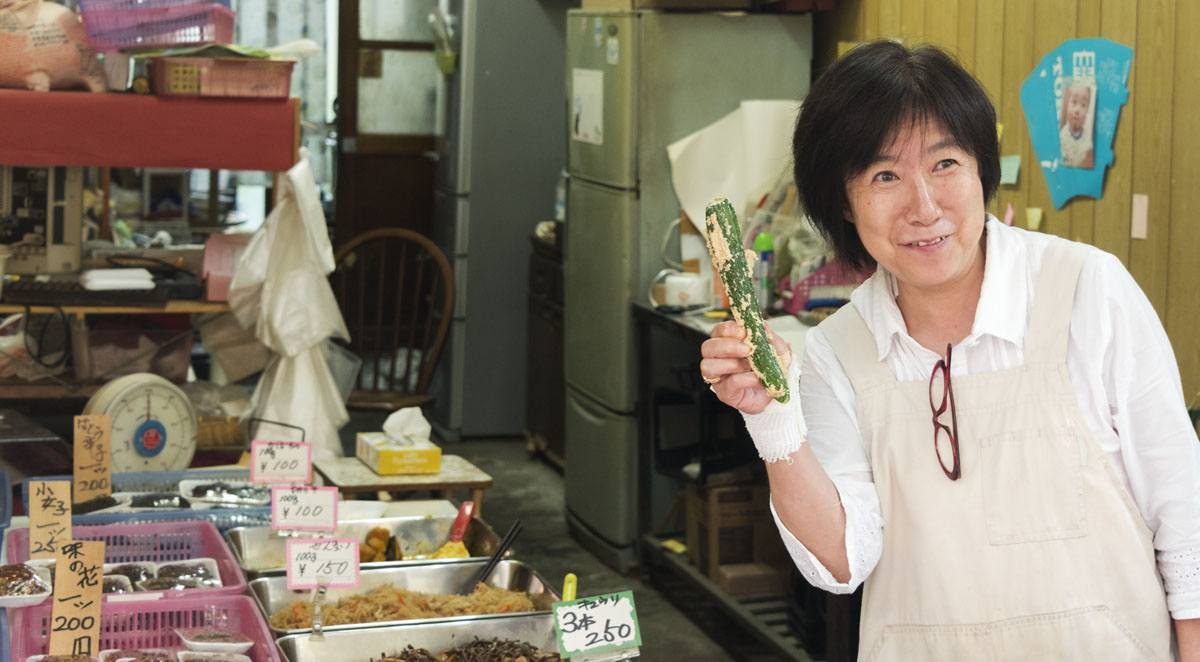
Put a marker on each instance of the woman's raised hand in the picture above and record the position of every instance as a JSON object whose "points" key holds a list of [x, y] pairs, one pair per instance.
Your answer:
{"points": [[725, 367]]}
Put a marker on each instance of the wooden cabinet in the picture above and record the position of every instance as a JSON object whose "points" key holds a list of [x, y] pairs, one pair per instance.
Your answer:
{"points": [[545, 386]]}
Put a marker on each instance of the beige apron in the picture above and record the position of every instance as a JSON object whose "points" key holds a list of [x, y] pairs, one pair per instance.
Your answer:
{"points": [[1038, 552]]}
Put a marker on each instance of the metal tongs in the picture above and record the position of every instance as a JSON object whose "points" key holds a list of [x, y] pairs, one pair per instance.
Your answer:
{"points": [[318, 618]]}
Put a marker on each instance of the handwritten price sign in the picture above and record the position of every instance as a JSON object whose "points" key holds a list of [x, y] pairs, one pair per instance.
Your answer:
{"points": [[597, 624], [304, 508], [75, 616], [274, 462], [93, 458], [329, 562], [49, 518]]}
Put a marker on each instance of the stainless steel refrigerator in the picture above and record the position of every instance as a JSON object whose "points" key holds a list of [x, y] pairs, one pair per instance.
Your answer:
{"points": [[500, 159], [637, 81]]}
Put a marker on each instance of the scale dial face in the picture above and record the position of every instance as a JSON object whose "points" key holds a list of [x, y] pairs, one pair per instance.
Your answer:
{"points": [[153, 423]]}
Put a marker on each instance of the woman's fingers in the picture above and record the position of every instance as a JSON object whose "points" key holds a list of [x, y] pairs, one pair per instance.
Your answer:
{"points": [[724, 348], [714, 370], [729, 329]]}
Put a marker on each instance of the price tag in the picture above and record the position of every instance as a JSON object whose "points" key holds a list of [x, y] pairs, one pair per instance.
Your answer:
{"points": [[598, 624], [331, 562], [49, 517], [287, 462], [75, 617], [304, 508], [93, 457]]}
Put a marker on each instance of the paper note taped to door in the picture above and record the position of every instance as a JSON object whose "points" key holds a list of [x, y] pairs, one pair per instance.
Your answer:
{"points": [[587, 106]]}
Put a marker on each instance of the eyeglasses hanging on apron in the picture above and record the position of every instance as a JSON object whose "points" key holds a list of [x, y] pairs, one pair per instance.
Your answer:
{"points": [[939, 381]]}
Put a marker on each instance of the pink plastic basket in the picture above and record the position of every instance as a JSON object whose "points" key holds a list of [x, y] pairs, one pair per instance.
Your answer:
{"points": [[93, 5], [833, 273], [150, 625], [221, 77], [110, 29], [158, 542]]}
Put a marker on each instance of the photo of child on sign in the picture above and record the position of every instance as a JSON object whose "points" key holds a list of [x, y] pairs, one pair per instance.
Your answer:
{"points": [[1076, 122]]}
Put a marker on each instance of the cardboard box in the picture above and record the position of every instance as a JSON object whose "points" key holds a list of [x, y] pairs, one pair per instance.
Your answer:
{"points": [[732, 525], [743, 579], [619, 5], [386, 456]]}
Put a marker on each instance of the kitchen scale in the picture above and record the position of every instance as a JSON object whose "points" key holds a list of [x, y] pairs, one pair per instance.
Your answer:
{"points": [[153, 423]]}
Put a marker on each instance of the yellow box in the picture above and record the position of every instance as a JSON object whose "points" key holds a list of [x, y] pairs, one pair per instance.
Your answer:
{"points": [[387, 457]]}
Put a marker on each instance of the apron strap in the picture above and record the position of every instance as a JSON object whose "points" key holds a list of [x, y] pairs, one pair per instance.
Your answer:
{"points": [[1053, 299], [854, 346]]}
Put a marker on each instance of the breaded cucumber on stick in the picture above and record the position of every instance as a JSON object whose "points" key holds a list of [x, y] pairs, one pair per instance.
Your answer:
{"points": [[733, 263]]}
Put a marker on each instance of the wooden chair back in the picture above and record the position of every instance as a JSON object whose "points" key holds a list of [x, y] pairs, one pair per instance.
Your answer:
{"points": [[396, 292]]}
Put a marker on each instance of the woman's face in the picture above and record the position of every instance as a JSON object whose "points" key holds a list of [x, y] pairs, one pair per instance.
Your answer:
{"points": [[919, 210]]}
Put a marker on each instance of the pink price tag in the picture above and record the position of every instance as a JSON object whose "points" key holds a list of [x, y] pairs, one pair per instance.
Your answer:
{"points": [[330, 562], [304, 509], [276, 462]]}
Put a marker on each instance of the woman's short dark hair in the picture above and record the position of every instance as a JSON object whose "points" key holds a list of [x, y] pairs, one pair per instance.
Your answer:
{"points": [[858, 106]]}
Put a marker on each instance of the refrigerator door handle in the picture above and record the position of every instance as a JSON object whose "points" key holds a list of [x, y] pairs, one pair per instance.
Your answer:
{"points": [[594, 415]]}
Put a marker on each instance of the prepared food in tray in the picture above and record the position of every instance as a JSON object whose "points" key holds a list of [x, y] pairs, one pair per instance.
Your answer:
{"points": [[480, 650], [22, 586], [193, 656], [144, 575], [392, 603], [227, 493], [137, 655]]}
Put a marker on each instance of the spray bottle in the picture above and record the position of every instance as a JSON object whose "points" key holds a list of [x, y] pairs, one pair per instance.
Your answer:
{"points": [[764, 247]]}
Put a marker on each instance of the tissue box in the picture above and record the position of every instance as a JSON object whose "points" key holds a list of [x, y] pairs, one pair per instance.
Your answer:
{"points": [[387, 456]]}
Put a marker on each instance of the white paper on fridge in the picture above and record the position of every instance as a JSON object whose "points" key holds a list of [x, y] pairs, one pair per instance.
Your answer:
{"points": [[587, 106], [739, 156]]}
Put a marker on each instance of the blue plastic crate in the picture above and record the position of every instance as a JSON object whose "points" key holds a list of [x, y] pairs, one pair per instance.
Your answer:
{"points": [[168, 481]]}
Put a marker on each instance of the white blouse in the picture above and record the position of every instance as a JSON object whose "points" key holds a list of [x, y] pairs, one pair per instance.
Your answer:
{"points": [[1121, 366]]}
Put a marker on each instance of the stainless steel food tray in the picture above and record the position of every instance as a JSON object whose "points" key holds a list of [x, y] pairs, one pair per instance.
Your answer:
{"points": [[260, 552], [273, 594], [365, 644]]}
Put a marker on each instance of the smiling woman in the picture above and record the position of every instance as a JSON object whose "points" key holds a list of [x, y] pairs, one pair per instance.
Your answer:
{"points": [[1034, 497]]}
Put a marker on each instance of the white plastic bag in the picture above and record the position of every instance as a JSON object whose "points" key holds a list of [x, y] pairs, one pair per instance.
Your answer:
{"points": [[280, 291], [300, 391]]}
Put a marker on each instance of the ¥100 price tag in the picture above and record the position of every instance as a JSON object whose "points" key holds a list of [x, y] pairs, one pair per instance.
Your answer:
{"points": [[304, 509], [288, 462], [329, 562], [599, 624]]}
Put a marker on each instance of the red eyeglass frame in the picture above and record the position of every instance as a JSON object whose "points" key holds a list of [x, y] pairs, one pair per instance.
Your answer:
{"points": [[952, 431]]}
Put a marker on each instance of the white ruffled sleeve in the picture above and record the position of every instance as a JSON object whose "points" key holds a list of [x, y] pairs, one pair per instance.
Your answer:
{"points": [[827, 401]]}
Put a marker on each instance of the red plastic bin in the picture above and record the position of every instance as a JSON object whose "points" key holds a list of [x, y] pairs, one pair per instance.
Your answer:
{"points": [[158, 542], [149, 625], [158, 27]]}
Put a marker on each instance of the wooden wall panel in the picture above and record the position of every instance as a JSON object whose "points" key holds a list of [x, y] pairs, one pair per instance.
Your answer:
{"points": [[1118, 22], [1157, 146], [1183, 274], [912, 20], [1017, 49], [1154, 67]]}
